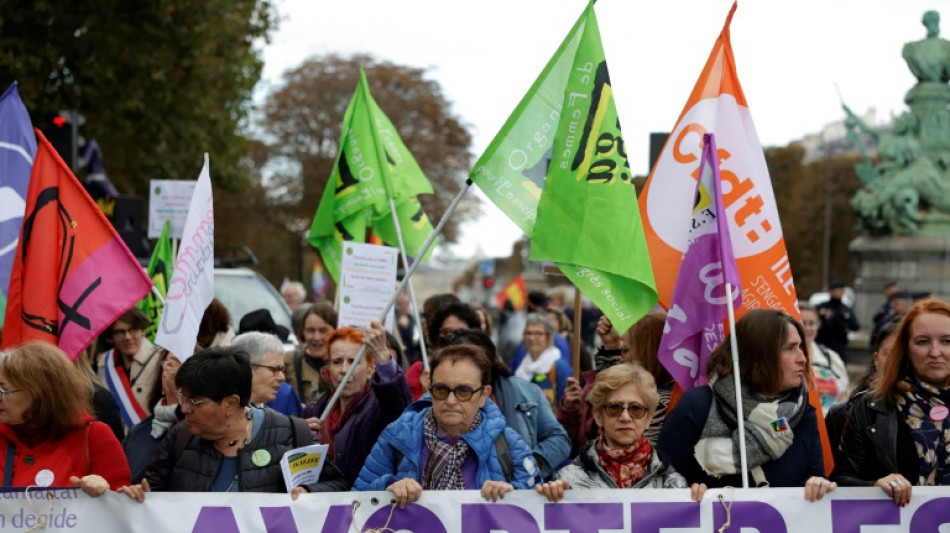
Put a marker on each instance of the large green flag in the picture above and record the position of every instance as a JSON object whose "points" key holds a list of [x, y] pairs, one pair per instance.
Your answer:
{"points": [[160, 268], [373, 165], [558, 169]]}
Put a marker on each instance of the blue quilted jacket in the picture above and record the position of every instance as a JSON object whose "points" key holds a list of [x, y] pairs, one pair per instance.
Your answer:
{"points": [[405, 435]]}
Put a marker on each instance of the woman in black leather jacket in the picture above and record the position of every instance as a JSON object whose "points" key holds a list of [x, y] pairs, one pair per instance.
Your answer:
{"points": [[897, 435]]}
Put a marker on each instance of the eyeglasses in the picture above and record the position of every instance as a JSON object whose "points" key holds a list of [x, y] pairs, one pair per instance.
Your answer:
{"points": [[535, 334], [635, 410], [182, 401], [463, 393], [3, 393], [119, 333], [279, 369]]}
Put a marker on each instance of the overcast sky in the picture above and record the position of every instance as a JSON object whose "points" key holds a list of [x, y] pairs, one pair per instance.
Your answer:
{"points": [[486, 53]]}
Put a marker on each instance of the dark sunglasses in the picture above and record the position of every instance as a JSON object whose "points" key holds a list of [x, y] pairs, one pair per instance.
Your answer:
{"points": [[635, 410], [463, 393]]}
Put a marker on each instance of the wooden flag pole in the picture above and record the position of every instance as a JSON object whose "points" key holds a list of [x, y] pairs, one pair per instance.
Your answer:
{"points": [[576, 341]]}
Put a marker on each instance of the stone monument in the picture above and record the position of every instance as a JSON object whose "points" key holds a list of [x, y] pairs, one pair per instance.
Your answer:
{"points": [[904, 208]]}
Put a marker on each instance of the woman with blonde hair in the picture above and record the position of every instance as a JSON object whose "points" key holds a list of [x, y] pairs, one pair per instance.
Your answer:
{"points": [[46, 432], [623, 398], [897, 435]]}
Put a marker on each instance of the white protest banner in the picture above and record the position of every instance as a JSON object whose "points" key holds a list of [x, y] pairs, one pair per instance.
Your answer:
{"points": [[169, 200], [367, 283], [772, 510], [192, 285]]}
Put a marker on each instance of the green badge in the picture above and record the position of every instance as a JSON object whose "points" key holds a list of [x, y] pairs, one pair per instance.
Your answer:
{"points": [[260, 458]]}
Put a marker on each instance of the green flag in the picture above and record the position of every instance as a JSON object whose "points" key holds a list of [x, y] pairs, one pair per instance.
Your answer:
{"points": [[160, 268], [558, 169], [373, 165]]}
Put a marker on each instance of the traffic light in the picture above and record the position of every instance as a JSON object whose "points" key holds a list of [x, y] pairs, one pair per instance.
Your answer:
{"points": [[489, 282], [62, 131]]}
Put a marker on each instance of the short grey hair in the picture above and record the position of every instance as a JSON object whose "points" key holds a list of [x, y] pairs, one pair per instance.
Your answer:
{"points": [[297, 287], [257, 343], [543, 318]]}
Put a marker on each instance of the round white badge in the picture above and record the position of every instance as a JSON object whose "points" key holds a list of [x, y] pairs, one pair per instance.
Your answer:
{"points": [[44, 478]]}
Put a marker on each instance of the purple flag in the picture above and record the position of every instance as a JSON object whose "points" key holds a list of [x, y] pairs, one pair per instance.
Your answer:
{"points": [[694, 323], [17, 149]]}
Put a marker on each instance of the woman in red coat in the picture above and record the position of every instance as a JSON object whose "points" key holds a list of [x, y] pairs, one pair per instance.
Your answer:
{"points": [[47, 437]]}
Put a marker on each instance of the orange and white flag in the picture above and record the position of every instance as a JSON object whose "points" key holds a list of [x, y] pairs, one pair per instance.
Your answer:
{"points": [[717, 105]]}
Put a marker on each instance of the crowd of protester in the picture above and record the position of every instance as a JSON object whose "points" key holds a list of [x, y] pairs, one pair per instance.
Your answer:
{"points": [[134, 418]]}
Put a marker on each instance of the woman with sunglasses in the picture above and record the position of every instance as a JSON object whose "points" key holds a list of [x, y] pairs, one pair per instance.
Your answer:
{"points": [[783, 449], [623, 400], [454, 440], [375, 395], [225, 444]]}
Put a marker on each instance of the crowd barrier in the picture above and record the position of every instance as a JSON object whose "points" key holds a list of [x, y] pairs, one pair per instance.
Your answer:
{"points": [[583, 511]]}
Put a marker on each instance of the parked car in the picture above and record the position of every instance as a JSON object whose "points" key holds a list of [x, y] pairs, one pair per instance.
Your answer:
{"points": [[243, 290]]}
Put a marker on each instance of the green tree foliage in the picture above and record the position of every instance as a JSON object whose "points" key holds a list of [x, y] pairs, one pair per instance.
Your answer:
{"points": [[802, 192], [159, 82], [301, 132]]}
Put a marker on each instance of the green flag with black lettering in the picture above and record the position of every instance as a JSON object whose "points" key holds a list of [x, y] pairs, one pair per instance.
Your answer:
{"points": [[160, 268], [558, 169], [372, 167]]}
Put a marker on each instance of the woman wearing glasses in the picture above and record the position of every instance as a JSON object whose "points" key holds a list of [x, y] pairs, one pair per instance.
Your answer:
{"points": [[225, 445], [266, 354], [781, 430], [130, 368], [543, 364], [375, 395], [455, 440], [47, 437], [623, 400]]}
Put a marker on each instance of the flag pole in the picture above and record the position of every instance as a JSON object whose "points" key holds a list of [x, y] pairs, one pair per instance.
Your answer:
{"points": [[158, 295], [412, 293], [576, 341], [740, 416], [402, 285]]}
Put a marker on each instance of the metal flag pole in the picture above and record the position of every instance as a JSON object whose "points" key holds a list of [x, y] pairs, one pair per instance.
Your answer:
{"points": [[740, 416], [402, 285], [412, 293]]}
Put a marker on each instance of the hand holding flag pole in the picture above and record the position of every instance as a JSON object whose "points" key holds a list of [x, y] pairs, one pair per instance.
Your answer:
{"points": [[392, 301]]}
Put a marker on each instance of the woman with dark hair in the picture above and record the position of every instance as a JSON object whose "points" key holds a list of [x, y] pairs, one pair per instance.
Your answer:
{"points": [[128, 370], [783, 448], [47, 435], [897, 435], [215, 328], [454, 440], [224, 444], [375, 395], [623, 398], [443, 320], [304, 365], [525, 408]]}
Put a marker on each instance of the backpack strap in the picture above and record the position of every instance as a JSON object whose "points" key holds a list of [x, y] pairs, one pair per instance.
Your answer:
{"points": [[504, 457], [181, 442], [8, 465], [302, 433]]}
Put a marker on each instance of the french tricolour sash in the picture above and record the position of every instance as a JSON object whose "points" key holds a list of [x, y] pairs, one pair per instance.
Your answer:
{"points": [[118, 382]]}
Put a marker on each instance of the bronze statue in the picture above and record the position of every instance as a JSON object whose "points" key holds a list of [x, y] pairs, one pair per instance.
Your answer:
{"points": [[908, 191]]}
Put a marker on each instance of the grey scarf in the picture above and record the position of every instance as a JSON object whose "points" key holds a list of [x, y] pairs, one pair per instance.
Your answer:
{"points": [[766, 438]]}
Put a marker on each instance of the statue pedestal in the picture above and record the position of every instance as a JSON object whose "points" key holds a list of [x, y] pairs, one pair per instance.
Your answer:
{"points": [[919, 264]]}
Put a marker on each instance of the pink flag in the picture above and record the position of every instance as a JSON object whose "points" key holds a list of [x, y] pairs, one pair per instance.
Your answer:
{"points": [[694, 324]]}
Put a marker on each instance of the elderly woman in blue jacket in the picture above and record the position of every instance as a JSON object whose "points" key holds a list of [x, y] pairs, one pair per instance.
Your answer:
{"points": [[454, 440]]}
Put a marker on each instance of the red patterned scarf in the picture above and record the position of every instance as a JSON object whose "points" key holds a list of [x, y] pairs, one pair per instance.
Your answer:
{"points": [[627, 465]]}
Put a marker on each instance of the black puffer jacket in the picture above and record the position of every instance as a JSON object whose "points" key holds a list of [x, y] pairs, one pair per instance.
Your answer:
{"points": [[875, 443], [199, 462]]}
